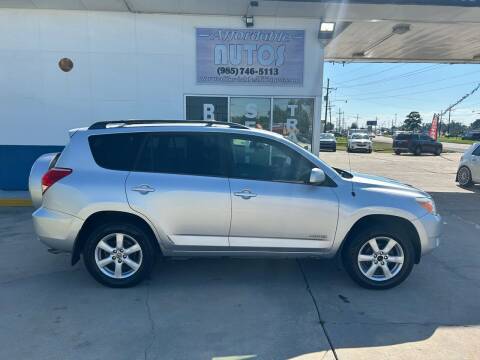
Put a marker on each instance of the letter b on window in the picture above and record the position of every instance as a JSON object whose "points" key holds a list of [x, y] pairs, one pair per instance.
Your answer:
{"points": [[208, 112]]}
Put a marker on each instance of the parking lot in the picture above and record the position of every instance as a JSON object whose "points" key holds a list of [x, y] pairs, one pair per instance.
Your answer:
{"points": [[253, 308]]}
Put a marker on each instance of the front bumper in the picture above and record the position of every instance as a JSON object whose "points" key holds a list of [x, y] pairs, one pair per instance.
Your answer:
{"points": [[429, 228], [364, 147], [55, 229]]}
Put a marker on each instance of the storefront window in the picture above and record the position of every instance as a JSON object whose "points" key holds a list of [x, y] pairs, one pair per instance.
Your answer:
{"points": [[293, 118], [252, 112], [207, 108]]}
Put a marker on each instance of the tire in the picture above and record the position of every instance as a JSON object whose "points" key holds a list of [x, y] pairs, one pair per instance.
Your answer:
{"points": [[335, 149], [370, 151], [464, 177], [417, 151], [348, 150], [438, 151], [142, 256], [360, 244], [397, 152]]}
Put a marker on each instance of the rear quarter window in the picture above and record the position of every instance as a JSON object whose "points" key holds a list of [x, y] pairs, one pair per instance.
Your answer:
{"points": [[476, 152], [116, 151]]}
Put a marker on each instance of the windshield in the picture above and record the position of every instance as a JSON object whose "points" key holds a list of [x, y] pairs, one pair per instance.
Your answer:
{"points": [[327, 136], [360, 136]]}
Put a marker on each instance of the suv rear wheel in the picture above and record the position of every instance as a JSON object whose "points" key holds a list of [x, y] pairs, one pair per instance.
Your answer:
{"points": [[379, 258], [119, 255], [418, 151]]}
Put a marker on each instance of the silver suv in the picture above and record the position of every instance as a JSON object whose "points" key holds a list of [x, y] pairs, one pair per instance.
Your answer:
{"points": [[123, 193]]}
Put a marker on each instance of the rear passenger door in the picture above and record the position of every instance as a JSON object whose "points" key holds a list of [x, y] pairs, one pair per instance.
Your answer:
{"points": [[180, 184]]}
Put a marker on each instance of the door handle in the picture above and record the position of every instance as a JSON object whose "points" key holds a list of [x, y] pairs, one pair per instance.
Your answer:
{"points": [[143, 189], [245, 194]]}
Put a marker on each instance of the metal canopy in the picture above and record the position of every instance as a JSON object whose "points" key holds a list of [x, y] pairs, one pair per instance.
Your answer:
{"points": [[439, 30]]}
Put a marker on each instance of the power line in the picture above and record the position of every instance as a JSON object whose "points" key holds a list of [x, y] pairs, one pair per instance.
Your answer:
{"points": [[370, 75], [419, 92], [399, 76], [418, 84], [460, 100]]}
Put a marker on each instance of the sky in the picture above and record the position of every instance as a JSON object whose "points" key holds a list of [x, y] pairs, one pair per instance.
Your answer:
{"points": [[383, 90]]}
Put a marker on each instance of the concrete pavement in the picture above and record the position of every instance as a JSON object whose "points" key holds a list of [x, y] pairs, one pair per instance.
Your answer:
{"points": [[252, 308]]}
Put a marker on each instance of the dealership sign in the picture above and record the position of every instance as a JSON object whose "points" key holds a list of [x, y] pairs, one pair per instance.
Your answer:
{"points": [[241, 56]]}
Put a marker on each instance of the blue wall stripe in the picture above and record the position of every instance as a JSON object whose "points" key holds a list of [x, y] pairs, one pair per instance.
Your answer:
{"points": [[16, 162]]}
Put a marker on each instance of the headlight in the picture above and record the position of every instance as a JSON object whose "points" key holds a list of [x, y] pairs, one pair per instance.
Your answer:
{"points": [[428, 204]]}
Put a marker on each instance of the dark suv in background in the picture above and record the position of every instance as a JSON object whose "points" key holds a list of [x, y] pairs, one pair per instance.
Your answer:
{"points": [[416, 144]]}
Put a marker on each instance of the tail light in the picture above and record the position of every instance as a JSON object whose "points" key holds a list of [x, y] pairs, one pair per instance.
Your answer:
{"points": [[52, 176]]}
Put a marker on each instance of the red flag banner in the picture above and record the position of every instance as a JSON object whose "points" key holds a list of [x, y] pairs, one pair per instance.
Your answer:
{"points": [[433, 129]]}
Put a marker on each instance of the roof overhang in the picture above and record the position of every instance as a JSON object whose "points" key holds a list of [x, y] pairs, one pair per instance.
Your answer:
{"points": [[445, 31]]}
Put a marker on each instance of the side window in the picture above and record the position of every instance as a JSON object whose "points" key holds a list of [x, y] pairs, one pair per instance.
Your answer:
{"points": [[260, 159], [476, 152], [183, 153], [425, 138], [116, 151]]}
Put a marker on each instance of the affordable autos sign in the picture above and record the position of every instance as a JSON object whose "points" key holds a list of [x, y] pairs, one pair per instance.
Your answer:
{"points": [[256, 57]]}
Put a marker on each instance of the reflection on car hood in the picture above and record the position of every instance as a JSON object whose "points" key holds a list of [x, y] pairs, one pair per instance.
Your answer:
{"points": [[378, 183]]}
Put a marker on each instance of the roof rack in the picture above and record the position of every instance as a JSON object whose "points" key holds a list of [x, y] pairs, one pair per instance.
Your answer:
{"points": [[121, 123]]}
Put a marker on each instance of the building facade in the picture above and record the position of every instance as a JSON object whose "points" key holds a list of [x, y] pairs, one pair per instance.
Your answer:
{"points": [[67, 69]]}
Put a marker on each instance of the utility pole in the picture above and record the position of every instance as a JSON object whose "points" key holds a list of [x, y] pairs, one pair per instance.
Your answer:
{"points": [[339, 117], [327, 96], [449, 114], [330, 111]]}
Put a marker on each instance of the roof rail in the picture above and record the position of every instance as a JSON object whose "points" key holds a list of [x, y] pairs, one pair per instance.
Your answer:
{"points": [[121, 123]]}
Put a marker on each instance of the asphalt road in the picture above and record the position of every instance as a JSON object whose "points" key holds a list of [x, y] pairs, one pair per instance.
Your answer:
{"points": [[252, 308], [460, 148]]}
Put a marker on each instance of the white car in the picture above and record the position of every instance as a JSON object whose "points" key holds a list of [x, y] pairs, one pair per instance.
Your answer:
{"points": [[359, 142], [469, 168]]}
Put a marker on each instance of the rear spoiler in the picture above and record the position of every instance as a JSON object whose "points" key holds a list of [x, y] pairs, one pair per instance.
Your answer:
{"points": [[72, 132]]}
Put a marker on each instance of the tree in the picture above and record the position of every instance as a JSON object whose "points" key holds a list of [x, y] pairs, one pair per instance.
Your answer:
{"points": [[475, 125], [329, 127], [354, 126], [413, 121]]}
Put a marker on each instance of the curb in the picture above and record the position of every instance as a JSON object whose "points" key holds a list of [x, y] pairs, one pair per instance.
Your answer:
{"points": [[15, 202]]}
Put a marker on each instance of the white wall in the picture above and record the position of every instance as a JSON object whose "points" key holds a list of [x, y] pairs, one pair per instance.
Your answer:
{"points": [[125, 66]]}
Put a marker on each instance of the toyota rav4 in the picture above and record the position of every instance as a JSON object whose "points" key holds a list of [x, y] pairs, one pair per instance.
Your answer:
{"points": [[122, 193]]}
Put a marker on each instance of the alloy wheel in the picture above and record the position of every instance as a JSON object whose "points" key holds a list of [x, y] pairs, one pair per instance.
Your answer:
{"points": [[380, 258], [118, 255], [464, 176]]}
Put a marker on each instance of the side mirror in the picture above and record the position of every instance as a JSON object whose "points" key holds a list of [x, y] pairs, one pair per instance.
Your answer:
{"points": [[317, 176]]}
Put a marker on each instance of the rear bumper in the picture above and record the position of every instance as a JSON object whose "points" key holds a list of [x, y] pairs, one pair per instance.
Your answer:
{"points": [[328, 146], [55, 229], [429, 228]]}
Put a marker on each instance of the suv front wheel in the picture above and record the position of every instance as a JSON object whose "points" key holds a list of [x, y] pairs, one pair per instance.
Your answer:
{"points": [[376, 258], [119, 255]]}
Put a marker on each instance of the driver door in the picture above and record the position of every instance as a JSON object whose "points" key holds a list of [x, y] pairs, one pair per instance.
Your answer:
{"points": [[273, 206]]}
